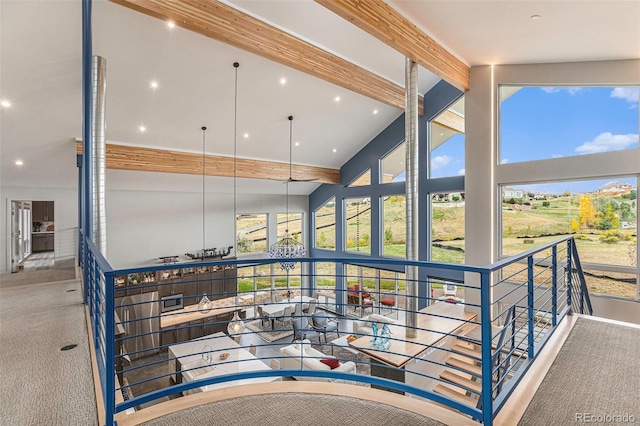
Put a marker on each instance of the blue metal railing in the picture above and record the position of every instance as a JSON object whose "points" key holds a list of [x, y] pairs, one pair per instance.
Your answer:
{"points": [[517, 303]]}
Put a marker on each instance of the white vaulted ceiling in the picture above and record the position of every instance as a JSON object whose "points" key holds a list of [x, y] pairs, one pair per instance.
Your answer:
{"points": [[41, 76]]}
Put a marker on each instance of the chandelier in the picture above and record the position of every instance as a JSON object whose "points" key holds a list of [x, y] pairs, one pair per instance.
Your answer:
{"points": [[287, 247]]}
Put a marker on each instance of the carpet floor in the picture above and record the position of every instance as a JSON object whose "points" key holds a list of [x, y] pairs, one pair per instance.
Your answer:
{"points": [[42, 384], [596, 372], [294, 409]]}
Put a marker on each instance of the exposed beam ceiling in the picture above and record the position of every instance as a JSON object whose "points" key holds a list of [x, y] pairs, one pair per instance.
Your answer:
{"points": [[451, 120], [385, 23], [222, 22], [124, 157]]}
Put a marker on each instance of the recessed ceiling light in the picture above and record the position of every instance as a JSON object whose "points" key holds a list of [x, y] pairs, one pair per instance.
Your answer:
{"points": [[536, 17], [441, 134], [19, 162], [283, 81], [153, 84], [337, 99], [335, 150], [5, 103], [142, 129], [246, 135], [297, 143], [375, 111], [171, 24]]}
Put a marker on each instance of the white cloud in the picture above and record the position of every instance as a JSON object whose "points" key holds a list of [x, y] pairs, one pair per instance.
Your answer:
{"points": [[504, 161], [571, 90], [440, 161], [629, 94], [607, 142], [461, 172], [557, 156]]}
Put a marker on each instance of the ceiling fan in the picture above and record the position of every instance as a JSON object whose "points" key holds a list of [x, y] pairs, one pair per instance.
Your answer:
{"points": [[291, 179]]}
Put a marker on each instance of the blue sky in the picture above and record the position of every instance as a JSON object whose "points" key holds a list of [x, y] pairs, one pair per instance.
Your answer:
{"points": [[547, 122]]}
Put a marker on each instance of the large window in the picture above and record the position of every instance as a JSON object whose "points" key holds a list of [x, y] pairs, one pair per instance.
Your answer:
{"points": [[600, 214], [252, 233], [392, 168], [363, 180], [357, 213], [291, 223], [447, 142], [325, 225], [394, 226], [546, 122], [447, 227]]}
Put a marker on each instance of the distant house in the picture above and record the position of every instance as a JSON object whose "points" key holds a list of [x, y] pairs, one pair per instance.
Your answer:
{"points": [[508, 193], [540, 196], [614, 187]]}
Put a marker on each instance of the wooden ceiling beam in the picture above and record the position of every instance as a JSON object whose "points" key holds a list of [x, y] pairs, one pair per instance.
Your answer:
{"points": [[451, 120], [389, 26], [124, 157], [222, 22]]}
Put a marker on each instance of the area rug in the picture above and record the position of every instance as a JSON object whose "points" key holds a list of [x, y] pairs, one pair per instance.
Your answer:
{"points": [[267, 334]]}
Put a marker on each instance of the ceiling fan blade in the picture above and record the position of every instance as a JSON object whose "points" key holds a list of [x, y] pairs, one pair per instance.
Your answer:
{"points": [[299, 180]]}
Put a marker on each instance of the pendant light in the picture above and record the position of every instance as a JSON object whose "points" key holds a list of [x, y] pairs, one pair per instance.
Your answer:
{"points": [[287, 247], [205, 303], [235, 328]]}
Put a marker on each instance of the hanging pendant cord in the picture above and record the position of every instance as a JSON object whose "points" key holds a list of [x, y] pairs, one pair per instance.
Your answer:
{"points": [[235, 155], [204, 129], [286, 231]]}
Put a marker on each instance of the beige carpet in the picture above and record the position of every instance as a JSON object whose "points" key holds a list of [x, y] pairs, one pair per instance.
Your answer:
{"points": [[65, 270], [596, 373], [294, 409], [42, 385]]}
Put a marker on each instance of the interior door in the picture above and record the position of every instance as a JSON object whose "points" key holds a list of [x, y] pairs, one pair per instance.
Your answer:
{"points": [[26, 230], [16, 249]]}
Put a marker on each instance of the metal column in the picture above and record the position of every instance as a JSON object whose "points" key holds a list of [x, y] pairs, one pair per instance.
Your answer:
{"points": [[412, 172], [98, 140]]}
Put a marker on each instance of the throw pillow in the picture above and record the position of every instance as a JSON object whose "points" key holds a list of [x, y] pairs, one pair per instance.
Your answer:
{"points": [[331, 362]]}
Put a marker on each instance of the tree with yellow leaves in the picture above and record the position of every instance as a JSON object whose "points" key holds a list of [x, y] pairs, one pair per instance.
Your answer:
{"points": [[587, 212]]}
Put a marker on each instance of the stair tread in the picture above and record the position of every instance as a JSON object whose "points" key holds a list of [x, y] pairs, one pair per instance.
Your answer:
{"points": [[445, 390], [455, 378], [466, 351], [463, 365]]}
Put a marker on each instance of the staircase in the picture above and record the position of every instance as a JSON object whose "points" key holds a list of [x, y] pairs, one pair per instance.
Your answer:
{"points": [[464, 378]]}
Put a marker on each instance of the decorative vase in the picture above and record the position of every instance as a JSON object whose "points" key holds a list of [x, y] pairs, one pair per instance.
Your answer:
{"points": [[384, 342]]}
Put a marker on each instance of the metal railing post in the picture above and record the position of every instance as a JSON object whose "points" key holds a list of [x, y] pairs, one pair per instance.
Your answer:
{"points": [[530, 300], [554, 285], [487, 365], [110, 361], [569, 278]]}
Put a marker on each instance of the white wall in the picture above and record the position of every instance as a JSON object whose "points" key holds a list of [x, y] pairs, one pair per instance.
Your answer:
{"points": [[145, 225], [484, 174], [66, 215]]}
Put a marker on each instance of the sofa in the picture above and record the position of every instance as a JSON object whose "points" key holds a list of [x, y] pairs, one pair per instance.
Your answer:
{"points": [[364, 326], [300, 355]]}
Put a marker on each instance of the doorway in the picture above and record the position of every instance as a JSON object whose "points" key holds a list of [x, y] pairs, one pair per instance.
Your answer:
{"points": [[32, 235]]}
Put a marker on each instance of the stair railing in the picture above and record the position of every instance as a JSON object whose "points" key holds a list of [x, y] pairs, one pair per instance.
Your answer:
{"points": [[583, 303]]}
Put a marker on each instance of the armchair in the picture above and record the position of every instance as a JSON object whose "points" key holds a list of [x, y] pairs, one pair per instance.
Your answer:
{"points": [[324, 323], [363, 326]]}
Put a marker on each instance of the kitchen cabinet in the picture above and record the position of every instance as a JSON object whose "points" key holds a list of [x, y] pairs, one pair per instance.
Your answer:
{"points": [[42, 211], [42, 242], [48, 242], [38, 242]]}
